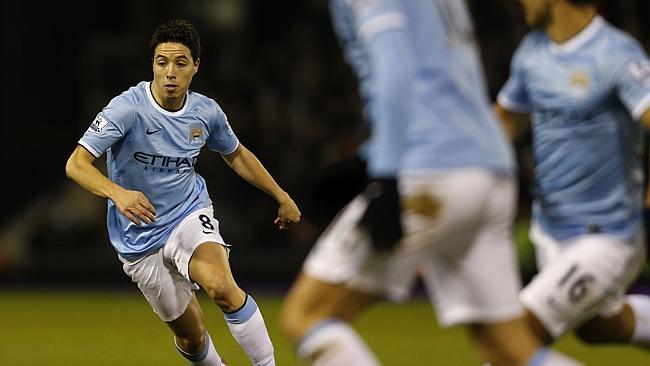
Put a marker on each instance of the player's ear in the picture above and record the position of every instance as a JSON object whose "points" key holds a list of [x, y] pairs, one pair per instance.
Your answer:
{"points": [[196, 65]]}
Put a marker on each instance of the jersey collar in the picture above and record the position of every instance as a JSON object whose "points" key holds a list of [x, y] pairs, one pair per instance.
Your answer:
{"points": [[161, 109], [579, 39]]}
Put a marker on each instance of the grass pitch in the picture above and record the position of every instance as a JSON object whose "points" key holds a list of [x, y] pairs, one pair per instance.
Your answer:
{"points": [[117, 327]]}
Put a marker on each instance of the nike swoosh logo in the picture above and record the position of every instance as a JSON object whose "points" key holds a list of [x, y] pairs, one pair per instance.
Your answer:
{"points": [[208, 232], [152, 132]]}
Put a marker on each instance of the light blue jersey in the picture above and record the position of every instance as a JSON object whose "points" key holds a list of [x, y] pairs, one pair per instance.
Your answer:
{"points": [[440, 117], [584, 96], [154, 151]]}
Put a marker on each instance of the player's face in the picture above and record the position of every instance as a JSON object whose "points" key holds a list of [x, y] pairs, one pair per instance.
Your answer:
{"points": [[537, 12], [173, 70]]}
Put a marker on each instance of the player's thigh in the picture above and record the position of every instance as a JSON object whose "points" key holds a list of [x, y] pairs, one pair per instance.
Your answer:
{"points": [[209, 267], [209, 263], [343, 257], [587, 277], [472, 271], [342, 248], [314, 298], [479, 287], [336, 259], [166, 290], [199, 253]]}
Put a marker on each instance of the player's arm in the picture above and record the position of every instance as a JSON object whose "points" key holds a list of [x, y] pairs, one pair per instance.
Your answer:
{"points": [[514, 123], [513, 103], [382, 28], [630, 75], [247, 166], [645, 122], [132, 204]]}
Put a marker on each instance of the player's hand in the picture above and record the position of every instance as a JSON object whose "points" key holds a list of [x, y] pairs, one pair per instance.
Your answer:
{"points": [[135, 206], [382, 217], [288, 214]]}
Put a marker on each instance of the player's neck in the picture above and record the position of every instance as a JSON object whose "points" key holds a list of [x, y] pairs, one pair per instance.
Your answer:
{"points": [[169, 104], [569, 20]]}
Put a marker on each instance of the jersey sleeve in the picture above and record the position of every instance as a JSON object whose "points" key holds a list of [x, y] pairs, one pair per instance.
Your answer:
{"points": [[514, 95], [109, 126], [381, 27], [630, 76], [222, 139], [375, 17]]}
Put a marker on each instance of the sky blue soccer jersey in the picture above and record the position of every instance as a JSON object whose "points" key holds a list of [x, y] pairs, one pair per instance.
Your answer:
{"points": [[442, 119], [154, 151], [584, 96]]}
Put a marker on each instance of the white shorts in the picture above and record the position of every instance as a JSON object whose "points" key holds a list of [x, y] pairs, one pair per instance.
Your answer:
{"points": [[580, 278], [163, 276], [459, 241]]}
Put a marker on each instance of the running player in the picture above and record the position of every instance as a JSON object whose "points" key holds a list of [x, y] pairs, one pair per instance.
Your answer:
{"points": [[160, 216], [433, 128], [585, 85]]}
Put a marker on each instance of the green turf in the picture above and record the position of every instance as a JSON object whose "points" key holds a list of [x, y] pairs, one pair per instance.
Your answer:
{"points": [[115, 328]]}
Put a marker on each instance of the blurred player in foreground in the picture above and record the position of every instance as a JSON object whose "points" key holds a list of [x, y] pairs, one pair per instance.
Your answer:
{"points": [[585, 84], [160, 216], [433, 128]]}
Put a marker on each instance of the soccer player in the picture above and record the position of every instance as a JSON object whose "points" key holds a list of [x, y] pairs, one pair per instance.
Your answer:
{"points": [[432, 126], [585, 85], [160, 216]]}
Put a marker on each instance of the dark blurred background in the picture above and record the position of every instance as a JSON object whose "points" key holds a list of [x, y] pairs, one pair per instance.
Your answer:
{"points": [[275, 68]]}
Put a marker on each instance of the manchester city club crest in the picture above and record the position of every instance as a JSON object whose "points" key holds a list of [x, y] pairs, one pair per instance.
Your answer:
{"points": [[196, 134], [579, 83]]}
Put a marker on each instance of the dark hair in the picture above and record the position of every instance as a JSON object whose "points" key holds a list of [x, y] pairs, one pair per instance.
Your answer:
{"points": [[581, 2], [177, 31]]}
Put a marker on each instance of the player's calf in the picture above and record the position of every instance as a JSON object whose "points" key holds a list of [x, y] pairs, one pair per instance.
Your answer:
{"points": [[301, 310], [615, 329], [510, 343], [293, 321], [630, 325]]}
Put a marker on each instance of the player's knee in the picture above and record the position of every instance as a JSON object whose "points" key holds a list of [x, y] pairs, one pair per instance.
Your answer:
{"points": [[220, 291], [292, 319], [192, 342]]}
